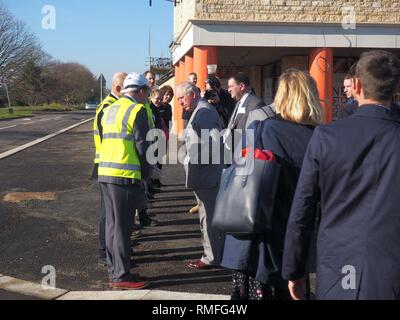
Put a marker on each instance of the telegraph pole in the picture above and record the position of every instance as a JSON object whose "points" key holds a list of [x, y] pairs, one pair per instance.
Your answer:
{"points": [[150, 48], [8, 96], [101, 89]]}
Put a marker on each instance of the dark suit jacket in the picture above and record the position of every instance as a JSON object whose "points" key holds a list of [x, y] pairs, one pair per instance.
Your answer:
{"points": [[252, 103], [352, 167], [349, 108]]}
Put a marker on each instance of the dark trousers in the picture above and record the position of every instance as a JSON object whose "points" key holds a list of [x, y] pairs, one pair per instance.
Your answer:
{"points": [[102, 228], [120, 201]]}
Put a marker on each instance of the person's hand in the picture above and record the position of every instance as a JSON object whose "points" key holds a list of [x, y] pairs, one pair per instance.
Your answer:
{"points": [[297, 289]]}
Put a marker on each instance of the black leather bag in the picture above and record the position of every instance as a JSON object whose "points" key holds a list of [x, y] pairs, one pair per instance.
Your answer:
{"points": [[245, 203]]}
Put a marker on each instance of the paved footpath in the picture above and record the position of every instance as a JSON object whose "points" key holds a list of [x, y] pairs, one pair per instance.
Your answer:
{"points": [[64, 232]]}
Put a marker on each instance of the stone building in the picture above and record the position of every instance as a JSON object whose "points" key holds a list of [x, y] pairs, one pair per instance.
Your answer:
{"points": [[265, 37]]}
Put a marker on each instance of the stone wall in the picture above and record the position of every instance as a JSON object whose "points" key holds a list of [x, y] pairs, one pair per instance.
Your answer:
{"points": [[298, 11], [183, 12]]}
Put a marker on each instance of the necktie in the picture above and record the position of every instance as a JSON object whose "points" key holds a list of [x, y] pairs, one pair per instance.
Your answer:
{"points": [[233, 117]]}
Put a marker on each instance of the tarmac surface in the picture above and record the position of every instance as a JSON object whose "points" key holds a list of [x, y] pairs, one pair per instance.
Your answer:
{"points": [[64, 233], [15, 132]]}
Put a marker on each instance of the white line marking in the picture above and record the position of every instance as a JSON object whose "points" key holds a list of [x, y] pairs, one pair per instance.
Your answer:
{"points": [[8, 127], [35, 142]]}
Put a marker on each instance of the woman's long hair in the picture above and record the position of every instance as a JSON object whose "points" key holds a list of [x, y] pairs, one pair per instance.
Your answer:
{"points": [[297, 99]]}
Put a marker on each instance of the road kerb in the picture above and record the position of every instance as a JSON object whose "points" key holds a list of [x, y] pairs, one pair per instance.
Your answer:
{"points": [[105, 295], [172, 295], [30, 289]]}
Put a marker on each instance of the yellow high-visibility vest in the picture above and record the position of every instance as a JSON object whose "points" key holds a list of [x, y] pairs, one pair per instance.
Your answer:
{"points": [[150, 116], [118, 157], [109, 100]]}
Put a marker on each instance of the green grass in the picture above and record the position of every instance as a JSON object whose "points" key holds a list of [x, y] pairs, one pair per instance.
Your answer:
{"points": [[19, 112], [4, 114]]}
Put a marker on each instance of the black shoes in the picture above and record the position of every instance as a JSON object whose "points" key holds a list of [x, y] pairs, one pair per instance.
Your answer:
{"points": [[157, 184], [145, 220], [148, 222]]}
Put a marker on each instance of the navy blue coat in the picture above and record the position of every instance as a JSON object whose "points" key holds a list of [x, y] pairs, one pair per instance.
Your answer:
{"points": [[262, 255], [352, 167]]}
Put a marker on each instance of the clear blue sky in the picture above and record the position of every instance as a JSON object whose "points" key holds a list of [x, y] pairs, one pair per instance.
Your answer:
{"points": [[104, 35]]}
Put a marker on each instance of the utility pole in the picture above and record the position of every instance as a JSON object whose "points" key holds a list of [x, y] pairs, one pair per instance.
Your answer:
{"points": [[8, 96], [101, 89], [150, 48]]}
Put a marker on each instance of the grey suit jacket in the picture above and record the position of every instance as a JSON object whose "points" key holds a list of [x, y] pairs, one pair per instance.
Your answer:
{"points": [[260, 114], [201, 173]]}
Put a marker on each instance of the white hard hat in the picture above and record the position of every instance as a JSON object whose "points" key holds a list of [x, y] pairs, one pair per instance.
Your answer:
{"points": [[134, 80]]}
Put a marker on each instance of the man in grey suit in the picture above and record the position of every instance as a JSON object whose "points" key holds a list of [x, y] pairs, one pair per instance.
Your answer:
{"points": [[203, 166], [246, 101]]}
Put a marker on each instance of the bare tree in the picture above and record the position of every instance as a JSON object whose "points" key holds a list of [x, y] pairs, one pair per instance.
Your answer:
{"points": [[33, 76], [17, 44]]}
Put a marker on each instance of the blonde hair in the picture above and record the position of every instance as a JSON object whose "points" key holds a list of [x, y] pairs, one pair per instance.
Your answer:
{"points": [[154, 93], [297, 99]]}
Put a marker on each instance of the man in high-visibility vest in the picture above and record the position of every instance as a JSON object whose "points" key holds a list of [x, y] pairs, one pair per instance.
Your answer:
{"points": [[117, 86], [122, 169]]}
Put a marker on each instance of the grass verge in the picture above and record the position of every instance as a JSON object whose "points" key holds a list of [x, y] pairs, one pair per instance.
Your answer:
{"points": [[19, 112]]}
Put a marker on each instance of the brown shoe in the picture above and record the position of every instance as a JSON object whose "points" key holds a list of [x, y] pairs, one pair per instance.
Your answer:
{"points": [[129, 285], [194, 210], [199, 265]]}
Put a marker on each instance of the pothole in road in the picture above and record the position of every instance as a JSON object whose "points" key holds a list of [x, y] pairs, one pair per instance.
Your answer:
{"points": [[16, 197]]}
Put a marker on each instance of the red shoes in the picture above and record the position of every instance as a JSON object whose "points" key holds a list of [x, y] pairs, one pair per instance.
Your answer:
{"points": [[129, 285], [199, 265]]}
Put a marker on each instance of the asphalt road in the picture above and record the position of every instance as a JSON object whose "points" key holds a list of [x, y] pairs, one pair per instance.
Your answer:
{"points": [[64, 233], [16, 132]]}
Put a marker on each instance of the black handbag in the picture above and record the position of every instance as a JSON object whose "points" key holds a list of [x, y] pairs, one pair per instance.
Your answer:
{"points": [[245, 202]]}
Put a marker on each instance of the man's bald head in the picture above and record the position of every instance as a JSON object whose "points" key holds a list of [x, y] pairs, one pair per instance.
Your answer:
{"points": [[118, 83]]}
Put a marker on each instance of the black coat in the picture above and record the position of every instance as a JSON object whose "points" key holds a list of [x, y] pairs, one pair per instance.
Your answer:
{"points": [[352, 168], [156, 116], [349, 108], [251, 103], [262, 255], [166, 114]]}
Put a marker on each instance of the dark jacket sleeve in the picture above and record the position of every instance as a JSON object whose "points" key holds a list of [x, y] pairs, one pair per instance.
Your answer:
{"points": [[303, 213], [140, 130], [168, 118]]}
